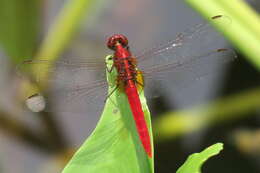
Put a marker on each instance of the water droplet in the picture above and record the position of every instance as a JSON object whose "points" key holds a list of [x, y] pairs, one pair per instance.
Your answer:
{"points": [[36, 103]]}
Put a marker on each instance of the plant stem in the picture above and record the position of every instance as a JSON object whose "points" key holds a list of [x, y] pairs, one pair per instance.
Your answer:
{"points": [[181, 122], [61, 32]]}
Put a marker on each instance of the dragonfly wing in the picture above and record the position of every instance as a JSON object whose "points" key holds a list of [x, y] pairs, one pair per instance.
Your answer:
{"points": [[87, 98], [75, 85], [197, 40], [61, 70], [197, 52], [182, 74]]}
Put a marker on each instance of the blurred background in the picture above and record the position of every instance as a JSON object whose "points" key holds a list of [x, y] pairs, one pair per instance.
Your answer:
{"points": [[43, 142]]}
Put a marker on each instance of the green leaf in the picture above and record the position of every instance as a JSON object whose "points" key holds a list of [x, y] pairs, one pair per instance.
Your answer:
{"points": [[114, 146], [19, 27], [194, 162]]}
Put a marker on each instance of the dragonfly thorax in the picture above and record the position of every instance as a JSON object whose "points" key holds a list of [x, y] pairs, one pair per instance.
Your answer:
{"points": [[123, 60]]}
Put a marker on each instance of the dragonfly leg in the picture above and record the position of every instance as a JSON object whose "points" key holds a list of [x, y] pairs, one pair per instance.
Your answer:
{"points": [[139, 80], [139, 83], [140, 86], [117, 86], [108, 96], [111, 69]]}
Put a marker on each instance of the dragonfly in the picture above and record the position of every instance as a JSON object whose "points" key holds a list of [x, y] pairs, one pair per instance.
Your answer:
{"points": [[191, 54]]}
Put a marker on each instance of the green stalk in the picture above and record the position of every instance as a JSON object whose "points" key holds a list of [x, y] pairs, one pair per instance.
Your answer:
{"points": [[60, 33], [243, 30], [182, 122], [63, 28]]}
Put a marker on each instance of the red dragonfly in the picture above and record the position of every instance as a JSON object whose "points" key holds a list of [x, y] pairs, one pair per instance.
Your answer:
{"points": [[186, 55], [125, 64]]}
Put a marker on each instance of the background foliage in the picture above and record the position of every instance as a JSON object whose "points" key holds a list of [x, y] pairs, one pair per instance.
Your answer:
{"points": [[79, 28]]}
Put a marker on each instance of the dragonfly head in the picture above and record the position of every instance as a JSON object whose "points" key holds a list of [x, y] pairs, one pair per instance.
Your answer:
{"points": [[117, 39]]}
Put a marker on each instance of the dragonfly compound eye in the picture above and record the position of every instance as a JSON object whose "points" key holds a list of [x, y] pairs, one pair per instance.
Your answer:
{"points": [[117, 38]]}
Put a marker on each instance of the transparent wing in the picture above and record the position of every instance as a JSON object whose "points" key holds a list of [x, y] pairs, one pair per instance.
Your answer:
{"points": [[183, 73], [88, 98], [62, 68], [77, 85], [196, 40], [79, 82], [191, 55]]}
